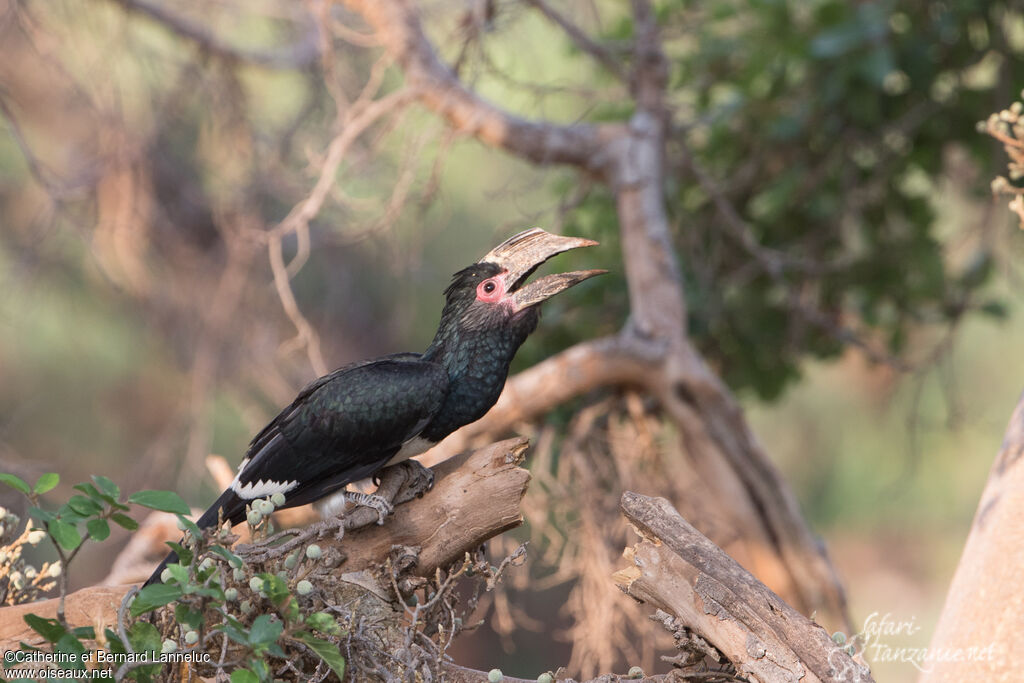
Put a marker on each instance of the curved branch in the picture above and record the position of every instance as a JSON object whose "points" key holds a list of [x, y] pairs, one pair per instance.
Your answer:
{"points": [[301, 55], [399, 28]]}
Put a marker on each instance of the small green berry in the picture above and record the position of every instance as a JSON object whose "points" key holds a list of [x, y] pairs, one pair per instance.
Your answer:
{"points": [[254, 517], [264, 506], [495, 675], [304, 587], [168, 646], [205, 564], [256, 584], [166, 576], [191, 637], [245, 606], [635, 672], [313, 552], [546, 677], [54, 571], [238, 573], [231, 594], [839, 638], [291, 561], [277, 499]]}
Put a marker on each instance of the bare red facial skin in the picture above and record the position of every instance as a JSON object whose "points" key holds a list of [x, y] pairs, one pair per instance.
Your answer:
{"points": [[491, 290]]}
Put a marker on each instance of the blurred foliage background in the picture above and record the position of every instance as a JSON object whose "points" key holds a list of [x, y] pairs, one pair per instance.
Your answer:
{"points": [[847, 271]]}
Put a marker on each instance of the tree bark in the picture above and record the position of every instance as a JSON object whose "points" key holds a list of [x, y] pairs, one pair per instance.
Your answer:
{"points": [[981, 623], [677, 569]]}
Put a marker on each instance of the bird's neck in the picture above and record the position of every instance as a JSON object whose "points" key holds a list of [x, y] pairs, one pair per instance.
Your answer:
{"points": [[477, 362]]}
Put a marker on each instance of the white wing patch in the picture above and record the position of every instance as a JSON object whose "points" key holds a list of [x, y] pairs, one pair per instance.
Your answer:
{"points": [[262, 489]]}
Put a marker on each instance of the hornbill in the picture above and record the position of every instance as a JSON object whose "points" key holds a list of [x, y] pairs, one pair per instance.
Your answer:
{"points": [[366, 416]]}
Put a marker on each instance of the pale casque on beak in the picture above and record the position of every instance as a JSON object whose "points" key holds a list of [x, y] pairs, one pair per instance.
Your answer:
{"points": [[524, 252]]}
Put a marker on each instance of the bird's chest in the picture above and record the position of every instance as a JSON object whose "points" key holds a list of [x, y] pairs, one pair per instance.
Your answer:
{"points": [[476, 378]]}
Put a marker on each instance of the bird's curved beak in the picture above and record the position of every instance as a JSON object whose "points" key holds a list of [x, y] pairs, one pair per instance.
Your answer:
{"points": [[523, 253]]}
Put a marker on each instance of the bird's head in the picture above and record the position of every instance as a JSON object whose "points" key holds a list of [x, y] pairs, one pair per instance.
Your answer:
{"points": [[494, 293]]}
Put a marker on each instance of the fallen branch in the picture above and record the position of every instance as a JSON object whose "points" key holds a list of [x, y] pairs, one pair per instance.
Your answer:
{"points": [[983, 616], [677, 569], [476, 496]]}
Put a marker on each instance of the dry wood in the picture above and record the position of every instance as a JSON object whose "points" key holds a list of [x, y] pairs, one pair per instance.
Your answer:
{"points": [[983, 618], [476, 496], [677, 569]]}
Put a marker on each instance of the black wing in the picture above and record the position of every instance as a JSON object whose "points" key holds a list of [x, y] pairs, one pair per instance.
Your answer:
{"points": [[342, 427]]}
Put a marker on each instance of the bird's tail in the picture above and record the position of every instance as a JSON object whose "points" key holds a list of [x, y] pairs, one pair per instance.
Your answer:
{"points": [[233, 511]]}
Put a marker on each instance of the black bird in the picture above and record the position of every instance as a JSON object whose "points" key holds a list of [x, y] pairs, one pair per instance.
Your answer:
{"points": [[361, 418]]}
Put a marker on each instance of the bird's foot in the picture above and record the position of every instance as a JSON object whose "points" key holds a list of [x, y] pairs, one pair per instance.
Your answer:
{"points": [[382, 505], [418, 480]]}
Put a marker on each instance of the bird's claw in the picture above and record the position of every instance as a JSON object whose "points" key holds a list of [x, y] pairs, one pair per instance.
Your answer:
{"points": [[378, 503], [420, 478]]}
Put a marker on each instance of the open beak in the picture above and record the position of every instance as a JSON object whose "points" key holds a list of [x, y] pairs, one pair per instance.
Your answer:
{"points": [[523, 253]]}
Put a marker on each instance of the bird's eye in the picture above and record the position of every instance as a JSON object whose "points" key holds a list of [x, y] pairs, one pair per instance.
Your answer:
{"points": [[489, 287]]}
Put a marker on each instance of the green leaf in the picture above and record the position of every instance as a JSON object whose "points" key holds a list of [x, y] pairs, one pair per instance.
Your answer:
{"points": [[275, 587], [234, 560], [323, 622], [46, 482], [98, 529], [69, 644], [178, 573], [326, 650], [66, 535], [144, 637], [183, 553], [234, 630], [15, 483], [166, 501], [50, 629], [125, 521], [89, 490], [185, 615], [84, 506], [151, 597], [84, 632], [244, 676], [107, 486], [190, 526], [41, 514], [265, 630], [114, 641]]}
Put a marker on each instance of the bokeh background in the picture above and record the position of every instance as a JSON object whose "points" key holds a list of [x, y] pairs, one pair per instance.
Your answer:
{"points": [[147, 151]]}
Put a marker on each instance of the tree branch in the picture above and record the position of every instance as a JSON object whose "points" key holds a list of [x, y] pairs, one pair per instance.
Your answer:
{"points": [[399, 28], [679, 570]]}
